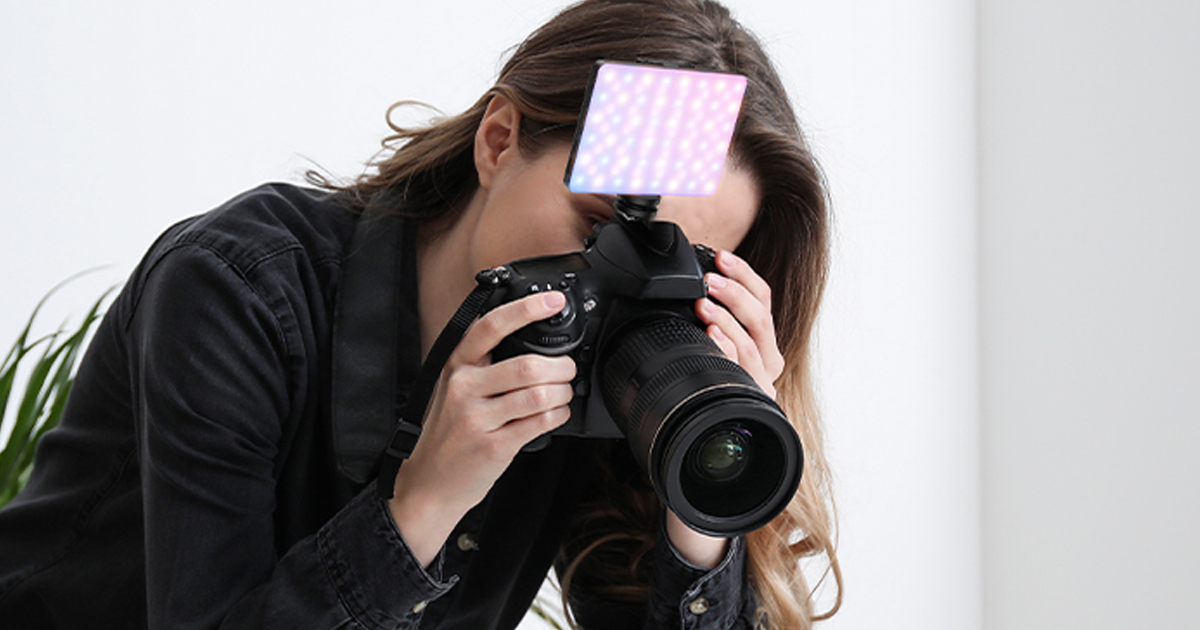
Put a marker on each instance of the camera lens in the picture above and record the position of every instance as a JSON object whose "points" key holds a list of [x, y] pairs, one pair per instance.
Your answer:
{"points": [[723, 455], [720, 453]]}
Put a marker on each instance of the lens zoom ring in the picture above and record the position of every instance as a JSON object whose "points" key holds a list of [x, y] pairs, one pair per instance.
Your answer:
{"points": [[639, 346], [642, 348], [652, 391]]}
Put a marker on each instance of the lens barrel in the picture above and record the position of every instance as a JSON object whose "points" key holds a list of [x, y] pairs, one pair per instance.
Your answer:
{"points": [[720, 453]]}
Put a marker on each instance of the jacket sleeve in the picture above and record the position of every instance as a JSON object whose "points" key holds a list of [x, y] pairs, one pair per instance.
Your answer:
{"points": [[214, 383], [684, 595]]}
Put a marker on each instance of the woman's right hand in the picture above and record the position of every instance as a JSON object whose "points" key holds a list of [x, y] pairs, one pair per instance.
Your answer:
{"points": [[479, 417]]}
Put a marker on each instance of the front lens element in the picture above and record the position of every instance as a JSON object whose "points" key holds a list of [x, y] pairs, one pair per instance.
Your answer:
{"points": [[745, 487], [723, 455]]}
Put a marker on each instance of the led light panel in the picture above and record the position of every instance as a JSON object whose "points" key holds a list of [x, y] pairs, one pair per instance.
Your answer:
{"points": [[650, 130]]}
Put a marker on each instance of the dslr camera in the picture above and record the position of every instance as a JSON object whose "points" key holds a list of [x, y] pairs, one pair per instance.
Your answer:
{"points": [[718, 451]]}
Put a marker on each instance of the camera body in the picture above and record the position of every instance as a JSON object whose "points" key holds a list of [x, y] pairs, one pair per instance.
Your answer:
{"points": [[629, 271]]}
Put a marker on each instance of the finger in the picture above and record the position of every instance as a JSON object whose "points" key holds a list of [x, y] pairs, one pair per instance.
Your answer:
{"points": [[723, 342], [748, 355], [528, 401], [751, 312], [523, 371], [740, 271], [504, 320], [522, 431], [764, 378]]}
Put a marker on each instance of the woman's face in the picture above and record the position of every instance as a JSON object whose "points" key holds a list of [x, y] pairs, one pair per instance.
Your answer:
{"points": [[528, 211]]}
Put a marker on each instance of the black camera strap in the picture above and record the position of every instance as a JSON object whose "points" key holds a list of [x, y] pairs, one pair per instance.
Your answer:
{"points": [[408, 427]]}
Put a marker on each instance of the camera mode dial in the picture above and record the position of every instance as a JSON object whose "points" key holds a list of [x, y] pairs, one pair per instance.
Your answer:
{"points": [[558, 334], [561, 332]]}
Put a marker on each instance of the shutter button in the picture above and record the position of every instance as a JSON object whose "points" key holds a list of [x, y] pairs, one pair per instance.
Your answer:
{"points": [[699, 606], [466, 542]]}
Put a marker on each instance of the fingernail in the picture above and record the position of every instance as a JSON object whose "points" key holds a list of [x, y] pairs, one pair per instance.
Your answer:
{"points": [[716, 281], [706, 305], [715, 331], [725, 258], [554, 300]]}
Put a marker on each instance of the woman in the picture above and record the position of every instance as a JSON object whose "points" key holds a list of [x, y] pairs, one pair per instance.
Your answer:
{"points": [[214, 464]]}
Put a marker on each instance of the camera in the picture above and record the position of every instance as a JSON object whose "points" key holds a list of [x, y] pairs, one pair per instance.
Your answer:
{"points": [[718, 450]]}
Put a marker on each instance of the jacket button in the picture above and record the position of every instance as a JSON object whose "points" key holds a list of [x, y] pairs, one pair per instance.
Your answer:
{"points": [[466, 542], [420, 606], [699, 606]]}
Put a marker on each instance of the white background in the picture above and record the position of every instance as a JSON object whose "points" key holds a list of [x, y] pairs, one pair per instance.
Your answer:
{"points": [[1008, 351], [1090, 279]]}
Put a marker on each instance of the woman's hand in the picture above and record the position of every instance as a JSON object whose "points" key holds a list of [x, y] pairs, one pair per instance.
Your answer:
{"points": [[742, 326], [479, 417]]}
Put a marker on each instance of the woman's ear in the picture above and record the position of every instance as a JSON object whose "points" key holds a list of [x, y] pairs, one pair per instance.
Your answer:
{"points": [[496, 139]]}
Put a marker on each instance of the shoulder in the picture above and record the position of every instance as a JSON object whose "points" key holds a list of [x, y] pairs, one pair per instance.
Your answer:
{"points": [[263, 223], [280, 243]]}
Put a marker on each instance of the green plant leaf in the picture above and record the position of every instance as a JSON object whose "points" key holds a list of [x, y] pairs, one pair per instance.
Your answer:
{"points": [[8, 371], [20, 348], [28, 413], [43, 394], [541, 608], [7, 494], [59, 389]]}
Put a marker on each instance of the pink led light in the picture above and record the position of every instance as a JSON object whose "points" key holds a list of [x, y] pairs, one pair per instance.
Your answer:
{"points": [[656, 131]]}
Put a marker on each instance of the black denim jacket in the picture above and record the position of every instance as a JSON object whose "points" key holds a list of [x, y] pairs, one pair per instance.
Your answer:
{"points": [[213, 466]]}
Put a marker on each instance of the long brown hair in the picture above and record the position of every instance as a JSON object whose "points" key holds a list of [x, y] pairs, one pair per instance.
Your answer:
{"points": [[430, 172]]}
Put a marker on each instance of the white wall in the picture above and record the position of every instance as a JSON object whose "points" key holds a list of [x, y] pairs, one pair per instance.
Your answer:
{"points": [[120, 119], [117, 120], [888, 91], [1090, 227]]}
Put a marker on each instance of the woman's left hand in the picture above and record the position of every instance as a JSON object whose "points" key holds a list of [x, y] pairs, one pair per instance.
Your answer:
{"points": [[741, 324]]}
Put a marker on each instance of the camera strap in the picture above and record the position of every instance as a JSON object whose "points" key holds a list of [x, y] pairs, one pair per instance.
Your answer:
{"points": [[408, 427]]}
